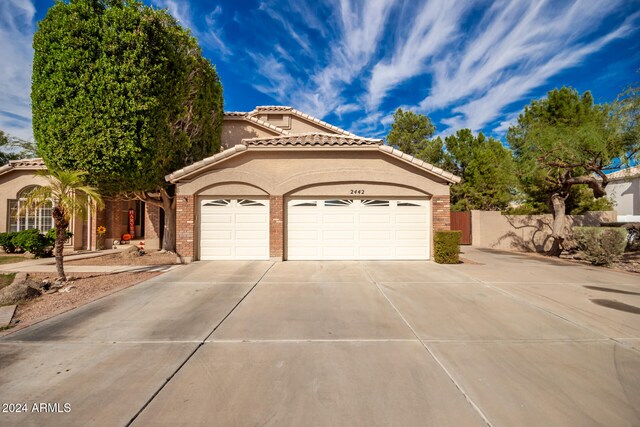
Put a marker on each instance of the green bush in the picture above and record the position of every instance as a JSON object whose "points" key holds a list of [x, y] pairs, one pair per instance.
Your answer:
{"points": [[600, 245], [51, 235], [34, 242], [6, 242], [447, 247]]}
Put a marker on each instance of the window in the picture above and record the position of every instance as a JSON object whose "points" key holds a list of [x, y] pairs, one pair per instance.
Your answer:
{"points": [[309, 203], [375, 202], [221, 202], [23, 218], [330, 203], [407, 204], [246, 202]]}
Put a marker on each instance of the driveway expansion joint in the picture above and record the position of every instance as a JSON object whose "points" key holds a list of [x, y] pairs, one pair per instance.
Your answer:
{"points": [[430, 352], [200, 344]]}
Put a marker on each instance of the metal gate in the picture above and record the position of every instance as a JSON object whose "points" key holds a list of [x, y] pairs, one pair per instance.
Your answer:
{"points": [[462, 221]]}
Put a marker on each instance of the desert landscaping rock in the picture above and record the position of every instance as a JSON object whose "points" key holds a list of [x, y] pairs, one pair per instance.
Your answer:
{"points": [[17, 292]]}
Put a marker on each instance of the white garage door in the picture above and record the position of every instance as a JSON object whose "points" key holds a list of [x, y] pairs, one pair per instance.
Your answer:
{"points": [[358, 229], [234, 229]]}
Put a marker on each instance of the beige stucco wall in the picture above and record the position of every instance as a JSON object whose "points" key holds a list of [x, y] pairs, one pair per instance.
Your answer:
{"points": [[234, 131], [11, 184], [625, 195], [292, 123], [528, 233], [287, 172]]}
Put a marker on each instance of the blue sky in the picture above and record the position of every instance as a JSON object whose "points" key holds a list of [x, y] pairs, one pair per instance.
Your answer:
{"points": [[464, 63]]}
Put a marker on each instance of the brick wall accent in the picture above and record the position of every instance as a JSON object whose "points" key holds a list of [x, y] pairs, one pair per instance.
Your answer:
{"points": [[276, 227], [151, 226], [185, 227], [441, 212]]}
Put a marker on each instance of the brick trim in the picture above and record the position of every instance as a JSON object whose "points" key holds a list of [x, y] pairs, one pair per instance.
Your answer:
{"points": [[441, 213], [185, 227], [276, 227]]}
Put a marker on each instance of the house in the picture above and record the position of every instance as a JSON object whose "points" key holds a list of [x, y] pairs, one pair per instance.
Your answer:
{"points": [[286, 186], [624, 190]]}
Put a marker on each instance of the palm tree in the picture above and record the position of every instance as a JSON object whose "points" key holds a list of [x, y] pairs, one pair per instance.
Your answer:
{"points": [[67, 194]]}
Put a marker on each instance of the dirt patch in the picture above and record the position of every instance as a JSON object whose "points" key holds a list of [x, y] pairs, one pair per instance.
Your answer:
{"points": [[6, 279], [125, 258], [84, 288], [630, 261], [13, 258]]}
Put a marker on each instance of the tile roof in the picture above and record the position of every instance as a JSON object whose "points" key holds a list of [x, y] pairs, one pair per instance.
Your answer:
{"points": [[26, 164], [245, 116], [267, 108], [311, 139], [628, 173], [284, 141]]}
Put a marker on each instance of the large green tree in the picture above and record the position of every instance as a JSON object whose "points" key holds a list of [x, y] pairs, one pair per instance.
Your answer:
{"points": [[566, 140], [412, 133], [122, 92], [487, 170]]}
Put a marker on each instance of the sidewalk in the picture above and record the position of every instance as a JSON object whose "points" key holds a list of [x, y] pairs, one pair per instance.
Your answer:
{"points": [[48, 265]]}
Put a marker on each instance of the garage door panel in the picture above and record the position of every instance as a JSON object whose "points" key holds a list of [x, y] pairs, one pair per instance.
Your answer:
{"points": [[251, 235], [411, 234], [234, 229], [374, 219], [303, 234], [410, 219], [254, 218], [208, 219], [358, 229], [208, 235], [345, 234], [347, 218], [375, 234], [303, 218]]}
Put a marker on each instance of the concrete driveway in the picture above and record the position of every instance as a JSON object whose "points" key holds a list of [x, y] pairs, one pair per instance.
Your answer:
{"points": [[511, 340]]}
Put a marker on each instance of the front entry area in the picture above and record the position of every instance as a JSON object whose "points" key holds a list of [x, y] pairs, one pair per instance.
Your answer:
{"points": [[358, 229], [234, 229]]}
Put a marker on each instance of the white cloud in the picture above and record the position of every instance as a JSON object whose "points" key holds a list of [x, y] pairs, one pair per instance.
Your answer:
{"points": [[211, 36], [359, 29], [16, 57], [433, 27], [518, 47]]}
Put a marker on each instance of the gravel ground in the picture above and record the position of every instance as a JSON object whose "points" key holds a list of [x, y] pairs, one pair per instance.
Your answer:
{"points": [[87, 287], [630, 261], [124, 258]]}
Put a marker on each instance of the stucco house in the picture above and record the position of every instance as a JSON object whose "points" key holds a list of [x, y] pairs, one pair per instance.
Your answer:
{"points": [[624, 191], [285, 186]]}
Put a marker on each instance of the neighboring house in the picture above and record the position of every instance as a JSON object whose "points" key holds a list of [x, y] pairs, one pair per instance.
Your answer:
{"points": [[285, 186], [18, 178], [624, 191]]}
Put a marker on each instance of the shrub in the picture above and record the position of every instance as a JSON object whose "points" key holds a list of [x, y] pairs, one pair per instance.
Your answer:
{"points": [[5, 242], [600, 245], [51, 236], [447, 247], [33, 241]]}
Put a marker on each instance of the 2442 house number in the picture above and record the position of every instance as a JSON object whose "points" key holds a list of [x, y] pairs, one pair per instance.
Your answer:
{"points": [[357, 192]]}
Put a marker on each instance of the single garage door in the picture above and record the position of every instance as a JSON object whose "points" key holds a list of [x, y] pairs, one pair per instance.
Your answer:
{"points": [[352, 229], [234, 229]]}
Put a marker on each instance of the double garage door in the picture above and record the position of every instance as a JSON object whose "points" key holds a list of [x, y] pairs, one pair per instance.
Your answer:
{"points": [[317, 229]]}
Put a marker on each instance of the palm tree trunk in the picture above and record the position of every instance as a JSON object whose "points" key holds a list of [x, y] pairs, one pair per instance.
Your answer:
{"points": [[61, 236]]}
